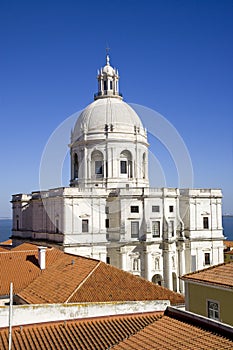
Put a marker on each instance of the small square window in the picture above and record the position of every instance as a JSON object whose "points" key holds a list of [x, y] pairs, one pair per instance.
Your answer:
{"points": [[85, 225], [213, 310], [155, 209], [171, 208], [134, 209], [205, 222]]}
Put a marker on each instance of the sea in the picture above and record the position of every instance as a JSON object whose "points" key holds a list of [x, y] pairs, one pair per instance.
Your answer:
{"points": [[6, 225]]}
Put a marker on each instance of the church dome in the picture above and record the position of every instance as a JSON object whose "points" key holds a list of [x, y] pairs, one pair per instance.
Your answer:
{"points": [[107, 114]]}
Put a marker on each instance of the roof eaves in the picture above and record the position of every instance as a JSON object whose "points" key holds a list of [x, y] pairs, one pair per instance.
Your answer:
{"points": [[209, 283]]}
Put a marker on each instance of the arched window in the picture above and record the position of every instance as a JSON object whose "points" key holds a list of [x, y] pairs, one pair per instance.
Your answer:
{"points": [[157, 279], [97, 164], [75, 166], [126, 164], [144, 165]]}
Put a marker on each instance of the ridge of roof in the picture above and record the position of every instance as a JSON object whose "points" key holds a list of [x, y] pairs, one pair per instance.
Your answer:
{"points": [[80, 285]]}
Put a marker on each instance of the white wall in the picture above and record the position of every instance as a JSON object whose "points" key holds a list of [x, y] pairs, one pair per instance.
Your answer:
{"points": [[30, 314]]}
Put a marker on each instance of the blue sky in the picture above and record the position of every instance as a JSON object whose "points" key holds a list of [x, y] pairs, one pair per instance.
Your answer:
{"points": [[173, 56]]}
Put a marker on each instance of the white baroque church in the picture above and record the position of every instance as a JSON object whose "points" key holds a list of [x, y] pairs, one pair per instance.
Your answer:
{"points": [[110, 213]]}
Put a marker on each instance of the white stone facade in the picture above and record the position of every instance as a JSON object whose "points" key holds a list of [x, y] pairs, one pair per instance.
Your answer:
{"points": [[110, 213]]}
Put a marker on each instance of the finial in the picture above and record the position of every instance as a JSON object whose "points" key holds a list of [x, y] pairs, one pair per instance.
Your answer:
{"points": [[107, 55]]}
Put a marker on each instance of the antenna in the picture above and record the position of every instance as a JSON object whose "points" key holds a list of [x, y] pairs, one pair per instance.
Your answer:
{"points": [[10, 317]]}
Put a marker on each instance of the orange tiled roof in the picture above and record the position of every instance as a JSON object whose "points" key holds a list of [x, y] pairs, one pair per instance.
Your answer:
{"points": [[108, 283], [228, 244], [97, 333], [138, 331], [8, 242], [173, 334], [20, 266], [59, 280], [77, 279], [221, 274]]}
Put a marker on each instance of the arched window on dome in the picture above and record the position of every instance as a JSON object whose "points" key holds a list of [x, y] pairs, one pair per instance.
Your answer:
{"points": [[76, 165], [144, 165], [97, 164], [126, 169]]}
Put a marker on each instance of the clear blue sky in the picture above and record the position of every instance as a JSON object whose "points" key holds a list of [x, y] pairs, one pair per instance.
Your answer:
{"points": [[174, 56]]}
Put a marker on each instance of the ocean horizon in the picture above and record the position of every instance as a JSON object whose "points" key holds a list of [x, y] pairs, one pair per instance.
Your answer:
{"points": [[6, 225]]}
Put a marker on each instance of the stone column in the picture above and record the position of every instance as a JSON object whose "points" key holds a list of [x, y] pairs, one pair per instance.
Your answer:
{"points": [[123, 259], [181, 267], [148, 265]]}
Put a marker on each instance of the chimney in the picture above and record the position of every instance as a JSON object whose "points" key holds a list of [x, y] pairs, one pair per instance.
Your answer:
{"points": [[42, 257]]}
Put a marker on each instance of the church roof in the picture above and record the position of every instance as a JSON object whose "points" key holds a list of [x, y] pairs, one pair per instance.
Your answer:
{"points": [[172, 330], [107, 111], [219, 275]]}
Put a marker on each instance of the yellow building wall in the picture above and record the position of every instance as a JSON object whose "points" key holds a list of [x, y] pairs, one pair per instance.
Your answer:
{"points": [[228, 256], [198, 296]]}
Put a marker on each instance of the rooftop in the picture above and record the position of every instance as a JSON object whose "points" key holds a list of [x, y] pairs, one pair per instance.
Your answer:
{"points": [[219, 275], [69, 279], [139, 331]]}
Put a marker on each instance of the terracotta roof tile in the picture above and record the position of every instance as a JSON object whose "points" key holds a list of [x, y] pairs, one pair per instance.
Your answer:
{"points": [[78, 279], [7, 242], [228, 244], [221, 274], [71, 278], [59, 280], [172, 334], [21, 267], [96, 333], [138, 331], [109, 283]]}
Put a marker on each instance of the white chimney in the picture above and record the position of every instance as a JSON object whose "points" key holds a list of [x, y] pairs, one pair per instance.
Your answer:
{"points": [[42, 257]]}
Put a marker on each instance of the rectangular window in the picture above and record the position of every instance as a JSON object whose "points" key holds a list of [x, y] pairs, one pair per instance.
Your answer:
{"points": [[213, 310], [155, 228], [172, 228], [98, 167], [57, 226], [134, 229], [85, 225], [108, 260], [205, 222], [171, 208], [134, 209], [207, 258], [107, 223], [123, 167], [155, 209]]}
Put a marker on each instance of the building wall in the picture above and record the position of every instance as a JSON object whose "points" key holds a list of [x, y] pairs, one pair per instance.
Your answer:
{"points": [[30, 314], [161, 255], [196, 297]]}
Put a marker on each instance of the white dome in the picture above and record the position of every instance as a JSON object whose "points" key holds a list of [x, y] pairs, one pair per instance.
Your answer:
{"points": [[110, 113], [108, 70]]}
